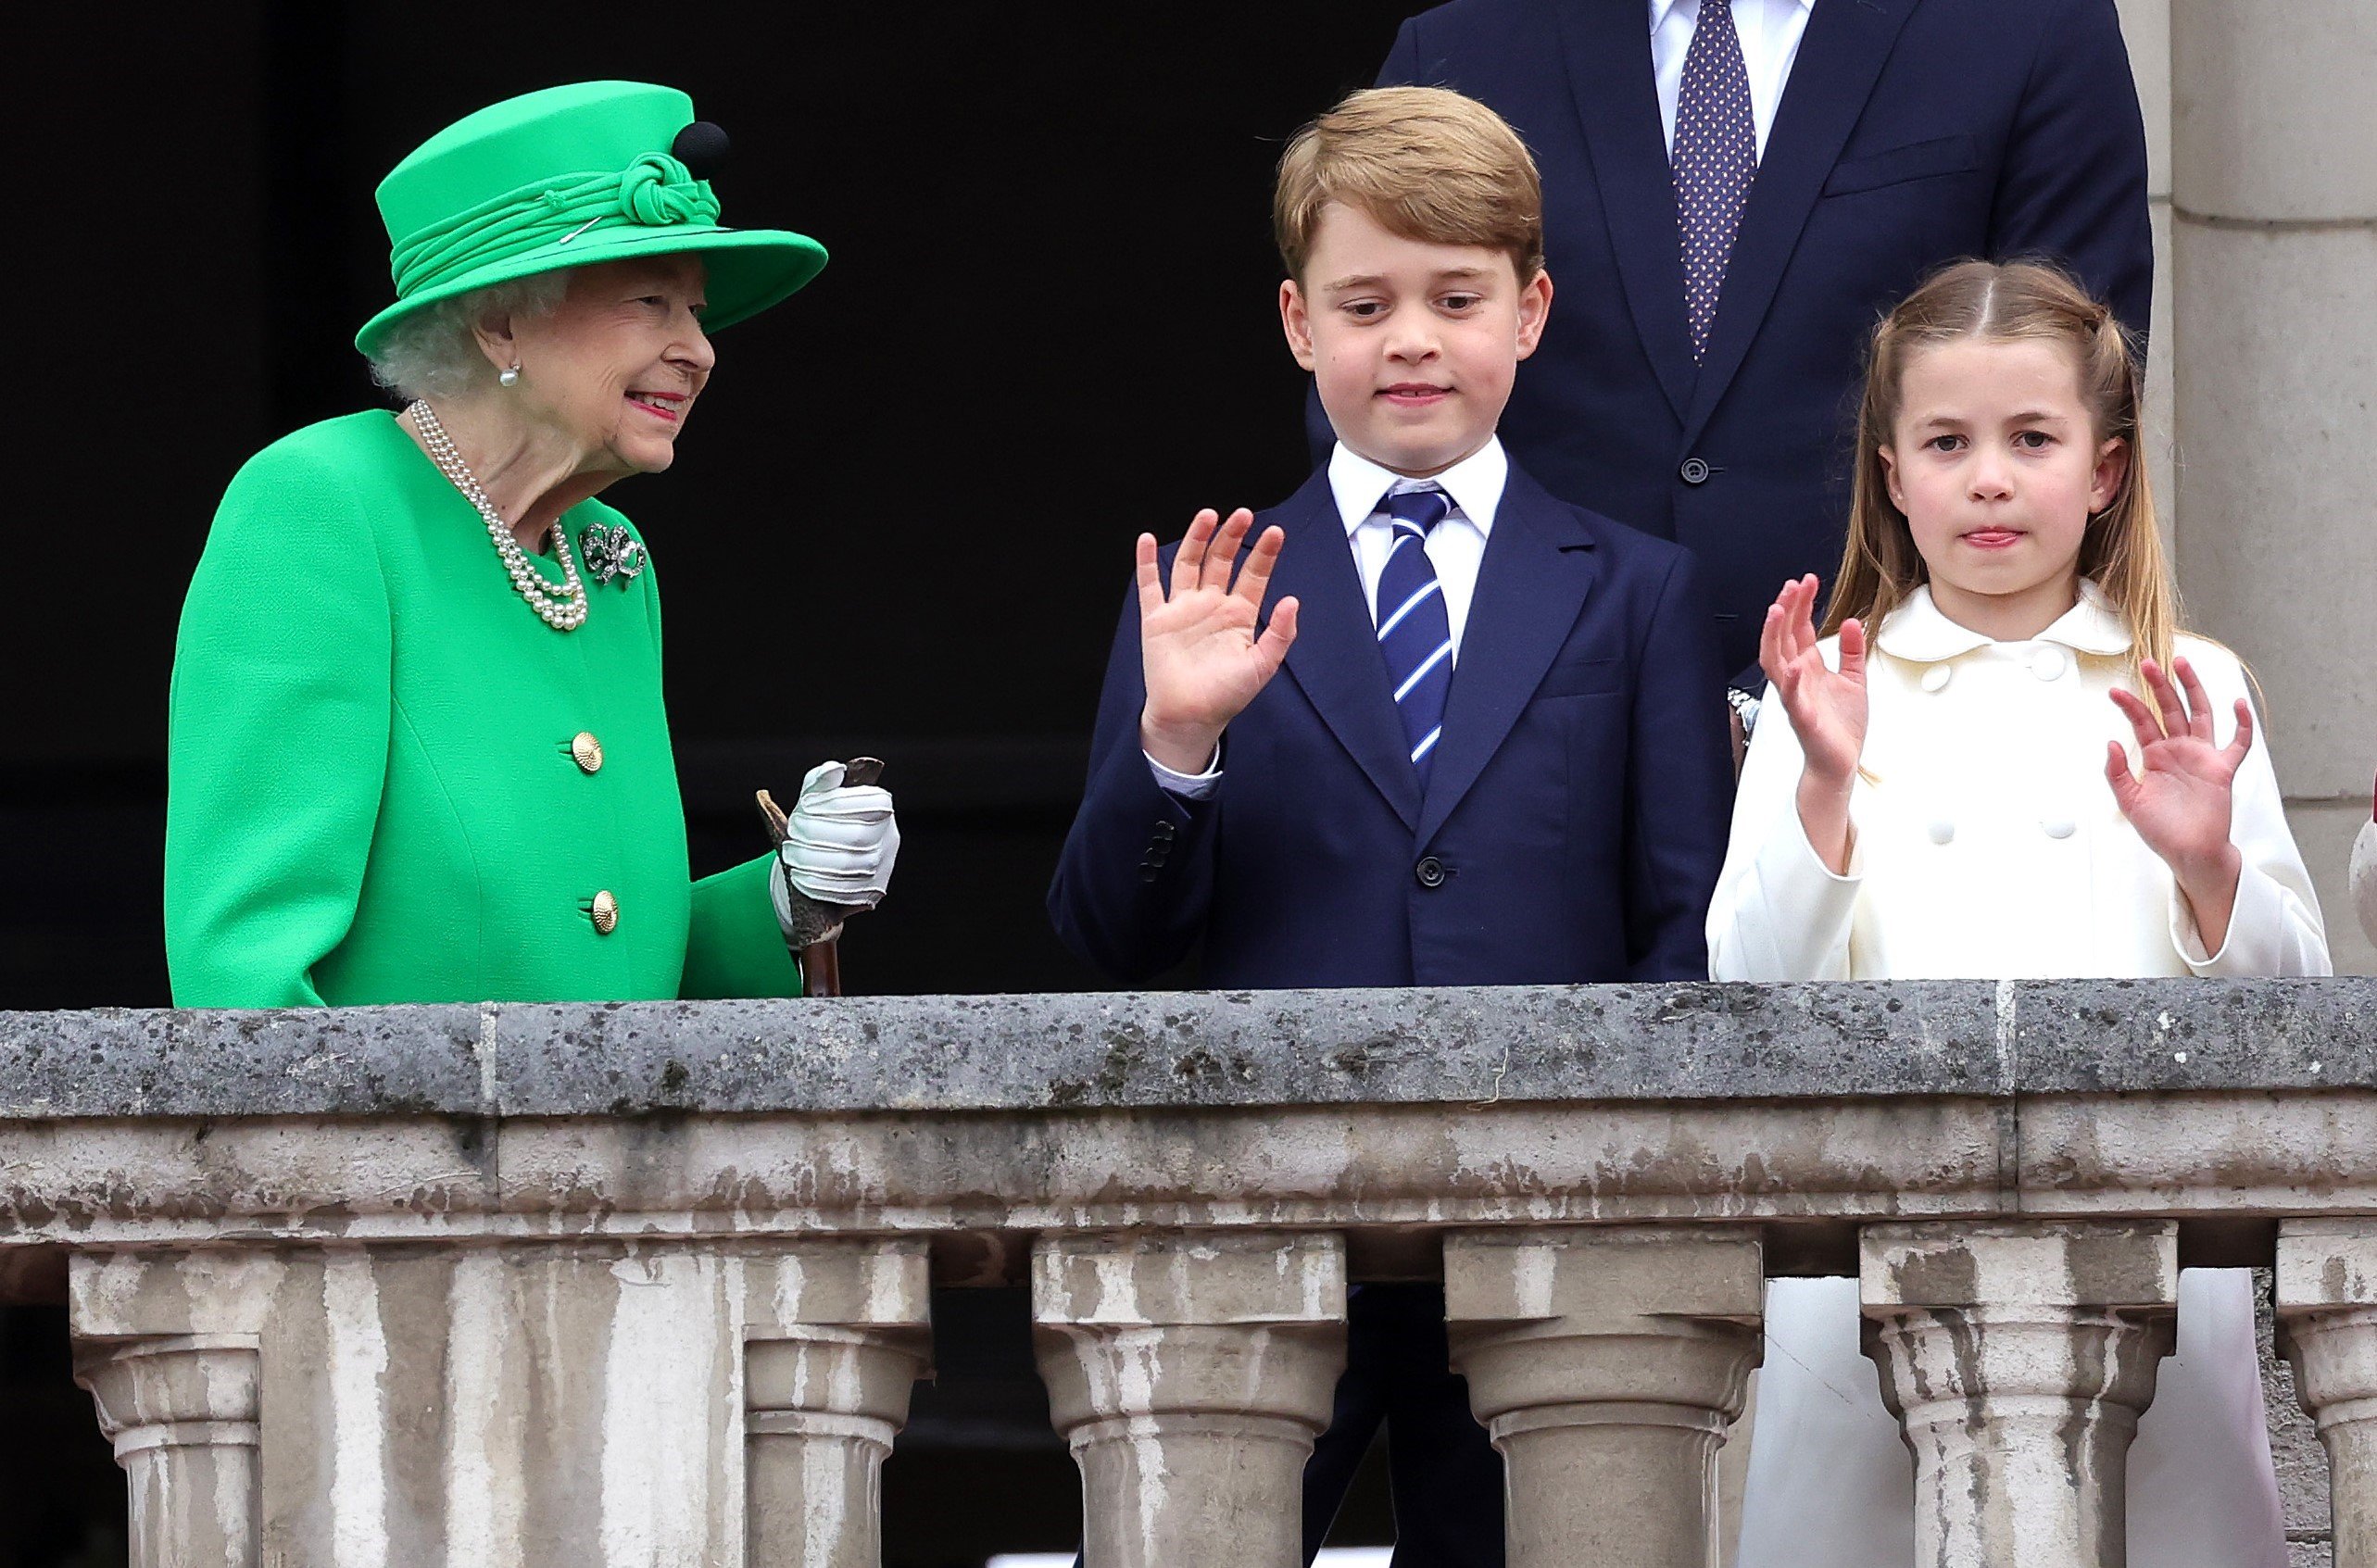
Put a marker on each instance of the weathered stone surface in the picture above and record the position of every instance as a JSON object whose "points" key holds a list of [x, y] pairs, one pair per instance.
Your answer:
{"points": [[1215, 1049], [1225, 1048], [2017, 1358], [2085, 1037], [315, 1062], [1190, 1373]]}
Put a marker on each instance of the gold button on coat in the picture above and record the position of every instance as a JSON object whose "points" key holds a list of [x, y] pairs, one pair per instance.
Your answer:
{"points": [[604, 912], [586, 752]]}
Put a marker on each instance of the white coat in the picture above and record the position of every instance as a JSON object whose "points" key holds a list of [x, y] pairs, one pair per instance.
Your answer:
{"points": [[1987, 844]]}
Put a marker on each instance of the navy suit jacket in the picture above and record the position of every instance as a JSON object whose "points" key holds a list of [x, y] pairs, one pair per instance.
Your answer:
{"points": [[1574, 822], [1911, 132]]}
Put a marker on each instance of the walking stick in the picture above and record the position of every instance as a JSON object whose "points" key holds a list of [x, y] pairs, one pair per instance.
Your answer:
{"points": [[821, 960]]}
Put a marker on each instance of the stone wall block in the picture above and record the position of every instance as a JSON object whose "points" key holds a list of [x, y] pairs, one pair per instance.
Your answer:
{"points": [[2277, 397], [1607, 1363], [1190, 1373], [2327, 1326], [182, 1412], [2017, 1359], [2272, 116]]}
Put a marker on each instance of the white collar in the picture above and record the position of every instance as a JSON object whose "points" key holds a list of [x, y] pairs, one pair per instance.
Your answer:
{"points": [[1662, 10], [1475, 484], [1919, 631]]}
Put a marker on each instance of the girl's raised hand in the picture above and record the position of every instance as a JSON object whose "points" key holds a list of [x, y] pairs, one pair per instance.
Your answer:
{"points": [[2179, 798], [1826, 706]]}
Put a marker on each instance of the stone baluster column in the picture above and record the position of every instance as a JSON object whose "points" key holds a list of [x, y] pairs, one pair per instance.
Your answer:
{"points": [[2017, 1358], [2327, 1326], [2274, 234], [827, 1376], [183, 1413], [1607, 1363], [1190, 1371]]}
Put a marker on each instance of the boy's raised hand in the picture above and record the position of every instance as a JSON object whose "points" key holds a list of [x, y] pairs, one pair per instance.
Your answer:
{"points": [[1201, 655], [2180, 798]]}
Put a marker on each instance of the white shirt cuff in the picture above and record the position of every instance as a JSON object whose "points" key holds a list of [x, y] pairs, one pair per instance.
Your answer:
{"points": [[1189, 786]]}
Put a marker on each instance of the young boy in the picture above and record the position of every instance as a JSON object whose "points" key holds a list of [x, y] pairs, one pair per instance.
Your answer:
{"points": [[1499, 756]]}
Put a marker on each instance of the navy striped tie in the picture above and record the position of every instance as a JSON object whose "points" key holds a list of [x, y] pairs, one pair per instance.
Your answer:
{"points": [[1414, 632]]}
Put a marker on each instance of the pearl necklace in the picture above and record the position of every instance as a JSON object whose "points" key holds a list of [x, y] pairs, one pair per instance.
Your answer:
{"points": [[562, 608]]}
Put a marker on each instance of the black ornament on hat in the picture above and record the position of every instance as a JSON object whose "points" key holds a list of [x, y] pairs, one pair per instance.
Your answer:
{"points": [[701, 147]]}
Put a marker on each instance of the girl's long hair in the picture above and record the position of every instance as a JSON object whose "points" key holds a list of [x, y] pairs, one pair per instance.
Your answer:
{"points": [[2009, 302]]}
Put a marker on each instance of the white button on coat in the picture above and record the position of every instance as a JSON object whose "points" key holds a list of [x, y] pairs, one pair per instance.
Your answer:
{"points": [[1985, 840]]}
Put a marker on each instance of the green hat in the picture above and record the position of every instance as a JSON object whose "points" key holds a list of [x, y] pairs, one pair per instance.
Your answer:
{"points": [[594, 172]]}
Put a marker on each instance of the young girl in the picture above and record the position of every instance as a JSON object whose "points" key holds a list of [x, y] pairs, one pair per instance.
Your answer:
{"points": [[2001, 757]]}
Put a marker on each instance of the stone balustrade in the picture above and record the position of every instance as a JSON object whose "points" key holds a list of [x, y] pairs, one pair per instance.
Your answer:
{"points": [[649, 1284]]}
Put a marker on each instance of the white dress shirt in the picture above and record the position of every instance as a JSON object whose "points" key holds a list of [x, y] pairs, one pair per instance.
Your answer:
{"points": [[1770, 32], [1456, 547]]}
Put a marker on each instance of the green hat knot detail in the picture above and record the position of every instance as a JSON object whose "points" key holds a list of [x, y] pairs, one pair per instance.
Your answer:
{"points": [[657, 189]]}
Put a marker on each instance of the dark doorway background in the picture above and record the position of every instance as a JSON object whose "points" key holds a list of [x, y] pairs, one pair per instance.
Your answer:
{"points": [[903, 524]]}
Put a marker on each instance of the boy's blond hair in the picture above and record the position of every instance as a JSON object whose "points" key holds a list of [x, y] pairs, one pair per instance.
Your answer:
{"points": [[1424, 163]]}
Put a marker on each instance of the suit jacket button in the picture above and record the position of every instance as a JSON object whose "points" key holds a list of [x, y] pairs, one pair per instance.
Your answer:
{"points": [[586, 752], [1165, 833], [1694, 472], [604, 912], [1430, 871]]}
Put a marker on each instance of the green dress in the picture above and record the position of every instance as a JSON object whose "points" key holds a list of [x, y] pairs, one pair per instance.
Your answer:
{"points": [[378, 790]]}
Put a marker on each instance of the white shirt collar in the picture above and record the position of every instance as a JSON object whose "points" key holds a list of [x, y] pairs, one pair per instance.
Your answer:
{"points": [[1919, 631], [1662, 10], [1475, 484]]}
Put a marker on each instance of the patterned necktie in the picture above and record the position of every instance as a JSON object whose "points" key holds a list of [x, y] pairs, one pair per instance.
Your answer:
{"points": [[1414, 633], [1715, 157]]}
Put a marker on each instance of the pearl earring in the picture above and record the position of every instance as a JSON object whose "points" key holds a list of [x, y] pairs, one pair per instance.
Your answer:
{"points": [[510, 376]]}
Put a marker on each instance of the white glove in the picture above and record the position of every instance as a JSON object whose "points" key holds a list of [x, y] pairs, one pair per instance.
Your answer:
{"points": [[841, 840]]}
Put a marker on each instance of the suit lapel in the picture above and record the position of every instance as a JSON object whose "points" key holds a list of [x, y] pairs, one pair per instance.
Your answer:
{"points": [[1336, 658], [1839, 58], [1538, 569], [1608, 46]]}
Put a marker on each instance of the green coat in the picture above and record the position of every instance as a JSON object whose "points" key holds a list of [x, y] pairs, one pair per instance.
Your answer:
{"points": [[372, 796]]}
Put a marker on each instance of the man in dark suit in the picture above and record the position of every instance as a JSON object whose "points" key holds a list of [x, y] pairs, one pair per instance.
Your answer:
{"points": [[1734, 194], [1496, 755]]}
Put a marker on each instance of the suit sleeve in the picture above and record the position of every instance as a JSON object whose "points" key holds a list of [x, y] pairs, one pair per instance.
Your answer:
{"points": [[1680, 791], [734, 947], [2073, 185], [278, 745], [1136, 877]]}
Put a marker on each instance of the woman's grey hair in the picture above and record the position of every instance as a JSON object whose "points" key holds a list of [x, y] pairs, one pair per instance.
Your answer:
{"points": [[431, 354]]}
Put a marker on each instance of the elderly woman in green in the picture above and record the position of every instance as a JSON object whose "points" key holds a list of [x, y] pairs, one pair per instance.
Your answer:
{"points": [[418, 748]]}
